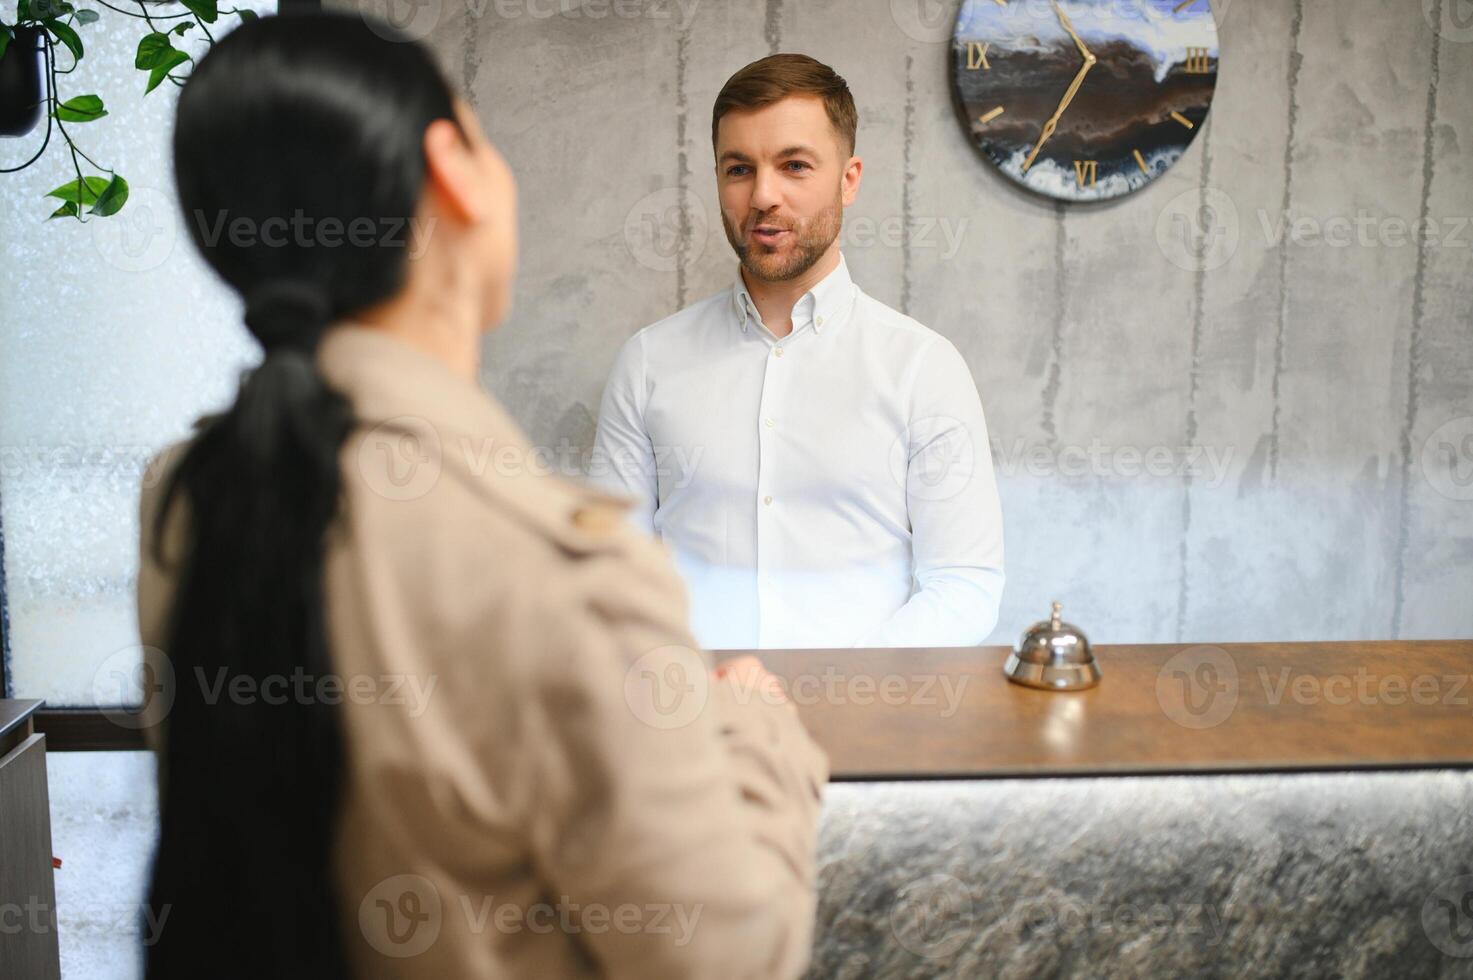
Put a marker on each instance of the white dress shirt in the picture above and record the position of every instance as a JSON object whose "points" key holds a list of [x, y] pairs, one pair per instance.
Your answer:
{"points": [[830, 488]]}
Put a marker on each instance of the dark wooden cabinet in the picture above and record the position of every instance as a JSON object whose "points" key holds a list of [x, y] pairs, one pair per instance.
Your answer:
{"points": [[28, 942]]}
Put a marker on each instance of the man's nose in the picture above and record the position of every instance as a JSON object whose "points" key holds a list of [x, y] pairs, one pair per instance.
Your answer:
{"points": [[765, 194]]}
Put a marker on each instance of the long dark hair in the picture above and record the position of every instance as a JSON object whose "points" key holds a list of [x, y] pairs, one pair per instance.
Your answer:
{"points": [[289, 129]]}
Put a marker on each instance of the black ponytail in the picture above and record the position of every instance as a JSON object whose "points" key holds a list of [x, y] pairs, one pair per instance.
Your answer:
{"points": [[303, 119]]}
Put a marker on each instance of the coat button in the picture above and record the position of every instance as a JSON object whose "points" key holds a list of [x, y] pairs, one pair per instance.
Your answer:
{"points": [[767, 500]]}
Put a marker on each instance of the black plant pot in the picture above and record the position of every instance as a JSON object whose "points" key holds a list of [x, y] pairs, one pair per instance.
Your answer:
{"points": [[20, 82]]}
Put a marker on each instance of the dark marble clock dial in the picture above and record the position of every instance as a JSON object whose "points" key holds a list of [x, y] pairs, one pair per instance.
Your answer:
{"points": [[1127, 115]]}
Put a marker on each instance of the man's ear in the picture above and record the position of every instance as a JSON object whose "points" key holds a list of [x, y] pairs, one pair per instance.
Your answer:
{"points": [[853, 171], [451, 172]]}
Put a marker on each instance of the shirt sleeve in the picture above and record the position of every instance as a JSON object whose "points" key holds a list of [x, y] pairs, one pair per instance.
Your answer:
{"points": [[955, 514], [623, 460], [657, 787]]}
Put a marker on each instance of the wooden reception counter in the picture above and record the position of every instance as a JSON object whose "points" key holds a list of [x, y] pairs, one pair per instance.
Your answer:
{"points": [[1258, 809], [1243, 707]]}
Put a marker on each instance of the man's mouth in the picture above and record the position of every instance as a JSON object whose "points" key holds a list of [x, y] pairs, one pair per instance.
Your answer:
{"points": [[769, 234]]}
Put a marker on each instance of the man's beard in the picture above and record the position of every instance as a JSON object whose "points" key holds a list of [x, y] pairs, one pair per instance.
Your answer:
{"points": [[811, 239]]}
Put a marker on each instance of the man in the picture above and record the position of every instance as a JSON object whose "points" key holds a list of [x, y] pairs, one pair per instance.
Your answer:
{"points": [[817, 462]]}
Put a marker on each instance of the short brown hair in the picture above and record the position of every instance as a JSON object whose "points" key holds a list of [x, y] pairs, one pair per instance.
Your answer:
{"points": [[778, 76]]}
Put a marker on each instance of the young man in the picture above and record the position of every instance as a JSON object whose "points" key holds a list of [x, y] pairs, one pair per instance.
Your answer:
{"points": [[817, 462]]}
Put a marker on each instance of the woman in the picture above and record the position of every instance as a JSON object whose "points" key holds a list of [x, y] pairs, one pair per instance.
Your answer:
{"points": [[433, 713]]}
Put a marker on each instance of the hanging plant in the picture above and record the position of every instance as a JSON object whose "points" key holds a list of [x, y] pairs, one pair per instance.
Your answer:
{"points": [[28, 55]]}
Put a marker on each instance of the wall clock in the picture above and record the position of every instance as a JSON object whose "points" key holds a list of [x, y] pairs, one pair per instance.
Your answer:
{"points": [[1084, 100]]}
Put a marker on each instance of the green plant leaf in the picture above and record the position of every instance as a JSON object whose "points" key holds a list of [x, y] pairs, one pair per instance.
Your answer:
{"points": [[206, 10], [85, 16], [162, 69], [22, 11], [4, 40], [152, 48], [50, 9], [67, 210], [112, 198], [246, 15], [82, 191], [83, 108], [66, 36], [181, 28]]}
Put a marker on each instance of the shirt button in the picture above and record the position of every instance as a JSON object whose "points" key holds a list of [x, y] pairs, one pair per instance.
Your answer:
{"points": [[777, 352], [769, 423], [767, 500], [819, 321]]}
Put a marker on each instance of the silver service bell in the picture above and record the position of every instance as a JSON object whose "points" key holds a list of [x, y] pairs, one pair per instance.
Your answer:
{"points": [[1053, 655]]}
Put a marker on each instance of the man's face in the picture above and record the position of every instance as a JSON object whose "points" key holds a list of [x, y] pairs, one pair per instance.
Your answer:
{"points": [[784, 177]]}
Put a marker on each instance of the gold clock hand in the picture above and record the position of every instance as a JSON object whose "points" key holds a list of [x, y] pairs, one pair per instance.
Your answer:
{"points": [[1048, 127], [1064, 19]]}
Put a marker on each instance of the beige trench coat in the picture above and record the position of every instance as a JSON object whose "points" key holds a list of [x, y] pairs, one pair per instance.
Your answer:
{"points": [[544, 780]]}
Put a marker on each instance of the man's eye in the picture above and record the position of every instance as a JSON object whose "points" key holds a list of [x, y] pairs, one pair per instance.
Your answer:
{"points": [[799, 164], [736, 171]]}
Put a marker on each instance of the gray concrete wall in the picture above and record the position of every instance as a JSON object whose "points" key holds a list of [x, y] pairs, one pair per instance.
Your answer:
{"points": [[1309, 403]]}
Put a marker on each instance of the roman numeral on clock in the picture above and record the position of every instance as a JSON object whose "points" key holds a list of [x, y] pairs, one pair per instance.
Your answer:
{"points": [[977, 55], [1199, 61], [1086, 172]]}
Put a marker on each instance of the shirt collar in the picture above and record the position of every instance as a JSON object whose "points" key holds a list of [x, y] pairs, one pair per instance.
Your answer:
{"points": [[822, 305]]}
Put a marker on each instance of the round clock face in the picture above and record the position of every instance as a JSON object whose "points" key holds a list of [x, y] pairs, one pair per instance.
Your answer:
{"points": [[1084, 100]]}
